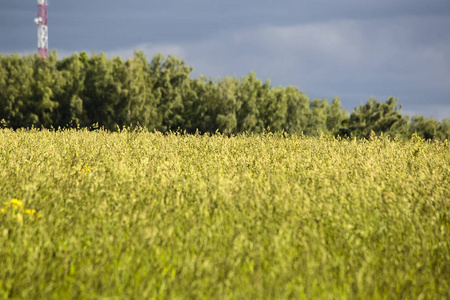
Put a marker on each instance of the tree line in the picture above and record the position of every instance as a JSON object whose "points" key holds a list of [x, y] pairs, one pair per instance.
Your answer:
{"points": [[79, 91]]}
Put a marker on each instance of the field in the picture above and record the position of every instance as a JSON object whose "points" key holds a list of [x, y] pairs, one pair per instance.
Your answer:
{"points": [[139, 215]]}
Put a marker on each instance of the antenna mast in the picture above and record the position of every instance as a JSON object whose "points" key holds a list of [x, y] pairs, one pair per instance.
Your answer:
{"points": [[42, 30]]}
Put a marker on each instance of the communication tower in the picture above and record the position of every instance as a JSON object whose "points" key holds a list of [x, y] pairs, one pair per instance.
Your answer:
{"points": [[42, 29]]}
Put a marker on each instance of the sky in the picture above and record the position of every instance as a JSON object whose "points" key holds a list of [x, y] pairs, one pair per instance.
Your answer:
{"points": [[353, 49]]}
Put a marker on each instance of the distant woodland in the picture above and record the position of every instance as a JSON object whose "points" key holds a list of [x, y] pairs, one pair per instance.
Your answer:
{"points": [[82, 90]]}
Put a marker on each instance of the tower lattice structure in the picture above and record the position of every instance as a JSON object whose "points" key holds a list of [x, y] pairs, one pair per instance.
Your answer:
{"points": [[42, 29]]}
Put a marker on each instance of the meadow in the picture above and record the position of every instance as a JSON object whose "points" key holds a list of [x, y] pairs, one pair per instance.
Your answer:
{"points": [[146, 215]]}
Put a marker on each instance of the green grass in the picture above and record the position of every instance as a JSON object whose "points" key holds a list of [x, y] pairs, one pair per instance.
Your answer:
{"points": [[138, 215]]}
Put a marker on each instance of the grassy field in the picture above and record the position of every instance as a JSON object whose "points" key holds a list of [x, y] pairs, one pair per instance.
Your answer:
{"points": [[138, 215]]}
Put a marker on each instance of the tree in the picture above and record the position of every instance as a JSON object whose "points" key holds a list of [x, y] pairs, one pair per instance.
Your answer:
{"points": [[170, 80], [273, 108], [445, 129], [72, 73], [16, 80], [138, 104], [101, 91], [336, 115], [317, 118], [297, 110], [248, 96], [46, 83], [429, 128], [82, 90], [378, 117], [225, 105]]}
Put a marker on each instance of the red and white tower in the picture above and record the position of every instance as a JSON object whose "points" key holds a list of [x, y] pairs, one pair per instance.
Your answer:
{"points": [[42, 30]]}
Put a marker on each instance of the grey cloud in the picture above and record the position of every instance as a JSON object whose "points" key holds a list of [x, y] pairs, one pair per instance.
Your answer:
{"points": [[354, 49], [351, 59]]}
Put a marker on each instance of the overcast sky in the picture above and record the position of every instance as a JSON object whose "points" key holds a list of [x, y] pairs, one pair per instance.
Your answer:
{"points": [[353, 49]]}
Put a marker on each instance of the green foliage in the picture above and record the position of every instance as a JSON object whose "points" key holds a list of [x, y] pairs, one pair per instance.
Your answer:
{"points": [[297, 111], [336, 115], [16, 91], [140, 215], [138, 105], [170, 82], [72, 75], [429, 128], [377, 117], [218, 105], [273, 109], [47, 84], [102, 90], [249, 96], [80, 91], [317, 118]]}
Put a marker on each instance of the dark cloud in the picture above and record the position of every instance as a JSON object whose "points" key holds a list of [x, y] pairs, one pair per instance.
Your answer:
{"points": [[350, 48]]}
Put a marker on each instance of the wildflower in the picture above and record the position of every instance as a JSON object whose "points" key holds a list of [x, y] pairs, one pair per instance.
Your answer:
{"points": [[20, 210], [16, 201], [86, 169]]}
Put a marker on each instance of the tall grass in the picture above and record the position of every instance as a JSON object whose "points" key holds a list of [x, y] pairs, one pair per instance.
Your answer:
{"points": [[138, 215]]}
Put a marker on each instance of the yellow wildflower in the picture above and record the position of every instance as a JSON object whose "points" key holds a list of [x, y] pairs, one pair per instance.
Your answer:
{"points": [[16, 201], [20, 210]]}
